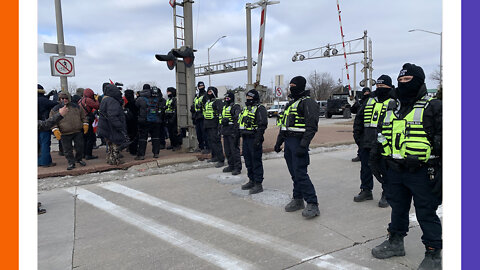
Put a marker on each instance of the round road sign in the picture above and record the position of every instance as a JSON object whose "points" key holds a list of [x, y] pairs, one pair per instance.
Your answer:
{"points": [[63, 66]]}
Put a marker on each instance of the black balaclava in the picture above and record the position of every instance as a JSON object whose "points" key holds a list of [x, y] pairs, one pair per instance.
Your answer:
{"points": [[104, 87], [201, 88], [366, 96], [146, 86], [214, 93], [173, 92], [382, 92], [230, 96], [298, 90], [256, 97], [409, 90]]}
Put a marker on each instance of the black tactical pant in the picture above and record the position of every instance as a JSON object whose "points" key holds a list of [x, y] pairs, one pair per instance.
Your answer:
{"points": [[175, 139], [401, 187], [77, 140], [231, 146], [253, 158], [215, 144], [297, 166], [89, 140], [144, 129], [201, 136]]}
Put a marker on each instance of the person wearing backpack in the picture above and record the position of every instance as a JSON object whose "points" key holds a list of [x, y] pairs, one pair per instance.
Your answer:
{"points": [[148, 122], [89, 104]]}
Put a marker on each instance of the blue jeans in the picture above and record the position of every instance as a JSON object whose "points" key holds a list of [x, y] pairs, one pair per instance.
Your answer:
{"points": [[44, 157]]}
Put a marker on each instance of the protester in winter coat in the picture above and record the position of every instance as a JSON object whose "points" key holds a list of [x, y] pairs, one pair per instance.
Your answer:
{"points": [[44, 137], [69, 130], [89, 105], [131, 116], [111, 124], [78, 95]]}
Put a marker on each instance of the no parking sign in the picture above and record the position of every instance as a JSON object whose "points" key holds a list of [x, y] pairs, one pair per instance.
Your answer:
{"points": [[62, 66]]}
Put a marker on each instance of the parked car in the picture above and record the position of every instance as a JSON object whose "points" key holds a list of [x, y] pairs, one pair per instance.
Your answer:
{"points": [[338, 104], [276, 109], [323, 107]]}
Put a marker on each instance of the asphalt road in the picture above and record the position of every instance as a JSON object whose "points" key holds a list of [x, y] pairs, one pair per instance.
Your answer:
{"points": [[201, 219]]}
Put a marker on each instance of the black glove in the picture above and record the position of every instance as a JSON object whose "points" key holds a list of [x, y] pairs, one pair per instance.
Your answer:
{"points": [[301, 151], [374, 164], [277, 148], [225, 121], [257, 142]]}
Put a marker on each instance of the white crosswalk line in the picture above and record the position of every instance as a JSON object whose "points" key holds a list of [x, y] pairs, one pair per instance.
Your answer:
{"points": [[300, 252], [176, 238]]}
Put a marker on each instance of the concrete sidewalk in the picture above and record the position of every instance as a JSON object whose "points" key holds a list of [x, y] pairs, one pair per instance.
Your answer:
{"points": [[331, 132]]}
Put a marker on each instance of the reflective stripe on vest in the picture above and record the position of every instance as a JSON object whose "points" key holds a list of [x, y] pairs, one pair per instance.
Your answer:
{"points": [[291, 120], [226, 114], [198, 103], [246, 120], [373, 110], [208, 112], [407, 136], [168, 106]]}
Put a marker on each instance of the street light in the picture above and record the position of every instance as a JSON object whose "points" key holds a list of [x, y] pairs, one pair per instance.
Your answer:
{"points": [[440, 34], [209, 82]]}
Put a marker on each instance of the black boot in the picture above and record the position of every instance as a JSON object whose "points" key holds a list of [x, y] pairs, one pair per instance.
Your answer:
{"points": [[71, 166], [311, 211], [227, 169], [393, 246], [257, 188], [356, 159], [219, 164], [363, 196], [236, 172], [248, 185], [383, 201], [294, 205], [432, 260]]}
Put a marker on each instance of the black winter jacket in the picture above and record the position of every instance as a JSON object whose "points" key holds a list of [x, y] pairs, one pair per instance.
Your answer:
{"points": [[310, 110], [44, 106], [432, 121], [261, 119], [111, 123], [231, 129], [217, 110], [366, 137]]}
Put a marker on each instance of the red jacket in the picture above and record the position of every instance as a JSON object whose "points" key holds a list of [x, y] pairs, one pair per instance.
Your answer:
{"points": [[88, 102]]}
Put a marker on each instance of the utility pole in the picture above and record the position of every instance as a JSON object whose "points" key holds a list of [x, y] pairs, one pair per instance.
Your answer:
{"points": [[60, 41]]}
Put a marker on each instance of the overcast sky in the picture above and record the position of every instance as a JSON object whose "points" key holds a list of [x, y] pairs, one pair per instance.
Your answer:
{"points": [[117, 39]]}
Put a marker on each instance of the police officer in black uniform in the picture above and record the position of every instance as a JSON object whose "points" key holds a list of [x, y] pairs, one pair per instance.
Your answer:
{"points": [[411, 144], [197, 117], [171, 119], [149, 120], [252, 123], [365, 135], [298, 127], [356, 107], [211, 111], [229, 130]]}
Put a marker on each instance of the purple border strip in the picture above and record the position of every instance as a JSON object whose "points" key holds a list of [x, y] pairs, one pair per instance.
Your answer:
{"points": [[470, 135]]}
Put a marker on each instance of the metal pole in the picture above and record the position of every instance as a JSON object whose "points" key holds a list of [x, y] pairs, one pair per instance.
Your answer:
{"points": [[355, 77], [261, 41], [365, 58], [370, 60], [209, 81], [441, 51], [249, 45], [60, 41], [189, 75]]}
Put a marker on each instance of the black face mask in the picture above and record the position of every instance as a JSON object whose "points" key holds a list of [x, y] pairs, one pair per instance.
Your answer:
{"points": [[249, 102], [170, 95], [296, 92], [409, 90], [211, 96], [382, 91]]}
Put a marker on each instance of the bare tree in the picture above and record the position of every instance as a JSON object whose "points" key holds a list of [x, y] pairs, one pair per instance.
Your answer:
{"points": [[321, 85], [435, 76]]}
